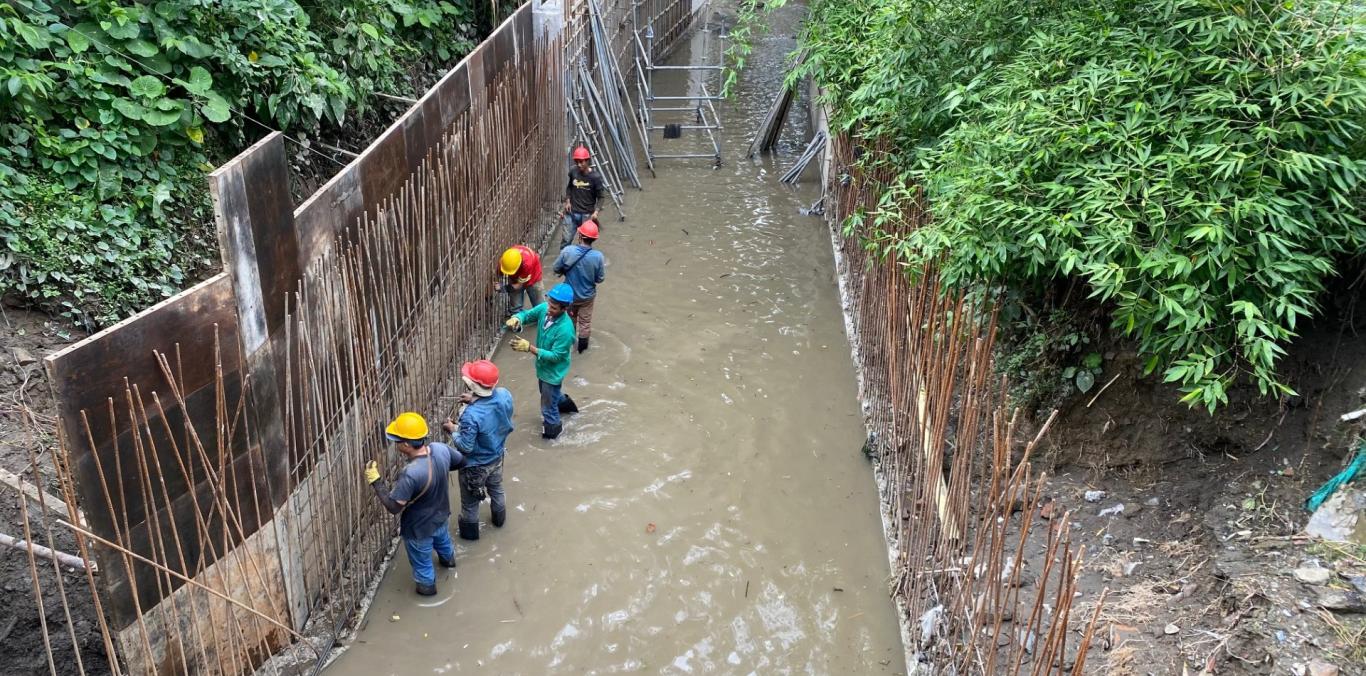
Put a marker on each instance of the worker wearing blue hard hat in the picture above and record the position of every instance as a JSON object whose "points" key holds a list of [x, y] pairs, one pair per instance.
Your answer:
{"points": [[554, 343]]}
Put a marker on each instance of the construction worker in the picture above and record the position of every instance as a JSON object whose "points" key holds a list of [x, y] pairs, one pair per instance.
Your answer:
{"points": [[583, 269], [554, 342], [420, 497], [581, 195], [521, 269], [481, 435]]}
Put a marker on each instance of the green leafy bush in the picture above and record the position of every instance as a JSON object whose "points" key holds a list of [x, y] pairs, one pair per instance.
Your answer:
{"points": [[112, 112], [1198, 164]]}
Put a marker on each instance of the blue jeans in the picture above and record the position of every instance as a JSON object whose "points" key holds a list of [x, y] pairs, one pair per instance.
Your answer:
{"points": [[550, 403], [420, 554], [572, 221], [531, 291]]}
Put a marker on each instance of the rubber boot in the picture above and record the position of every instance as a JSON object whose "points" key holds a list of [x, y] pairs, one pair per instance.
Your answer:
{"points": [[446, 563], [567, 405], [583, 344], [500, 517], [426, 589], [551, 431], [469, 530]]}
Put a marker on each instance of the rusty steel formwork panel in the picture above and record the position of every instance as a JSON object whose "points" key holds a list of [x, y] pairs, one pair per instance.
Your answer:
{"points": [[212, 438], [982, 586]]}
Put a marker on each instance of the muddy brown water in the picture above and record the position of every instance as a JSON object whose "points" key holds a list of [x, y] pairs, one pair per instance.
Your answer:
{"points": [[709, 510]]}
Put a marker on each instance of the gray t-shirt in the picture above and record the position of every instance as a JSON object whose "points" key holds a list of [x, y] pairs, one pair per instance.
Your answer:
{"points": [[429, 509]]}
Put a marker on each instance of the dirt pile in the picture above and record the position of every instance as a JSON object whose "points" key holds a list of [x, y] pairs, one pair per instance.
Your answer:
{"points": [[1194, 523]]}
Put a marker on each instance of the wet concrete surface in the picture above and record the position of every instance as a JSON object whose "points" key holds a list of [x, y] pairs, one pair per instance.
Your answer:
{"points": [[709, 510]]}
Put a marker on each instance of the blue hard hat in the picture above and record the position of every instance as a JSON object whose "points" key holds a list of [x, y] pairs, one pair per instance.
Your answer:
{"points": [[562, 293]]}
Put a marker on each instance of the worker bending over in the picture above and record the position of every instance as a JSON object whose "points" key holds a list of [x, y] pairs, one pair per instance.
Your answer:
{"points": [[583, 269], [554, 341], [521, 270], [581, 195], [420, 497], [485, 423]]}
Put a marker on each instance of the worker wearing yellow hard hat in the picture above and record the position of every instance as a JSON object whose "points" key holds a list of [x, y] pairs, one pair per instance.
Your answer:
{"points": [[520, 267], [420, 496]]}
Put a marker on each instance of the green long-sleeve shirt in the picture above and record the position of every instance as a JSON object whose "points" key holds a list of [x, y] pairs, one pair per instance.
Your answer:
{"points": [[553, 343]]}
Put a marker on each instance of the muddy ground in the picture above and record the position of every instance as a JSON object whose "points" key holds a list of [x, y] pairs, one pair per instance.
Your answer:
{"points": [[1199, 564], [27, 425]]}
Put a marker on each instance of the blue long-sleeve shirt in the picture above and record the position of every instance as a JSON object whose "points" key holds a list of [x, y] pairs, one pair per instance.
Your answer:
{"points": [[582, 268], [484, 428]]}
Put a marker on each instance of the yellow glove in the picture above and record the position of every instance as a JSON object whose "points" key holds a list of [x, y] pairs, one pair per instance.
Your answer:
{"points": [[371, 472], [521, 345], [514, 323]]}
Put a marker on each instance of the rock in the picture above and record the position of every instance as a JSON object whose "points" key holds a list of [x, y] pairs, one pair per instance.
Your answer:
{"points": [[24, 357], [1342, 601], [1342, 517], [1358, 581], [1312, 575], [1120, 634], [1171, 629], [1131, 510], [1152, 502], [1113, 510], [1049, 510], [1318, 667], [1093, 496]]}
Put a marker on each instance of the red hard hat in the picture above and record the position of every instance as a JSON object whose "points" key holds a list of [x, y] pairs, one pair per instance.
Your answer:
{"points": [[483, 372], [589, 229], [581, 153]]}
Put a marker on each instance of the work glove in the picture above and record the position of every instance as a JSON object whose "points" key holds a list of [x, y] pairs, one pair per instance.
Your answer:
{"points": [[371, 472], [521, 345], [514, 323]]}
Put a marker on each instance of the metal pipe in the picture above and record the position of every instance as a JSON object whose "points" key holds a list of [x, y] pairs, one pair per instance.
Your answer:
{"points": [[687, 68], [689, 126], [681, 157], [685, 98]]}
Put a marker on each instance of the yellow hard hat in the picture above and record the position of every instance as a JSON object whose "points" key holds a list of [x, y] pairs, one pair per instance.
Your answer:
{"points": [[510, 262], [407, 426]]}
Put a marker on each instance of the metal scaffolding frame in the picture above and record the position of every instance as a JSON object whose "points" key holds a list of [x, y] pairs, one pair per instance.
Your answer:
{"points": [[702, 105]]}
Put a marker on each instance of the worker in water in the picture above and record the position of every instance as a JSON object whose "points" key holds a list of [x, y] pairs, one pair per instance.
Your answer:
{"points": [[521, 269], [481, 436], [581, 195], [554, 342], [583, 269], [420, 497]]}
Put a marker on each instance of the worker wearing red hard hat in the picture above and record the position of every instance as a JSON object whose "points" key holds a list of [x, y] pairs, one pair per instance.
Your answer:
{"points": [[481, 435], [520, 267], [581, 195], [583, 268]]}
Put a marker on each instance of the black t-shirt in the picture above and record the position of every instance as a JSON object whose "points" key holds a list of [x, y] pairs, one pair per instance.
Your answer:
{"points": [[584, 190]]}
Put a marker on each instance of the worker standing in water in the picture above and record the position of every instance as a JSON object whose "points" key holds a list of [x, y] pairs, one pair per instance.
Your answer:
{"points": [[520, 266], [581, 195], [583, 269], [554, 342], [420, 497], [481, 435]]}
